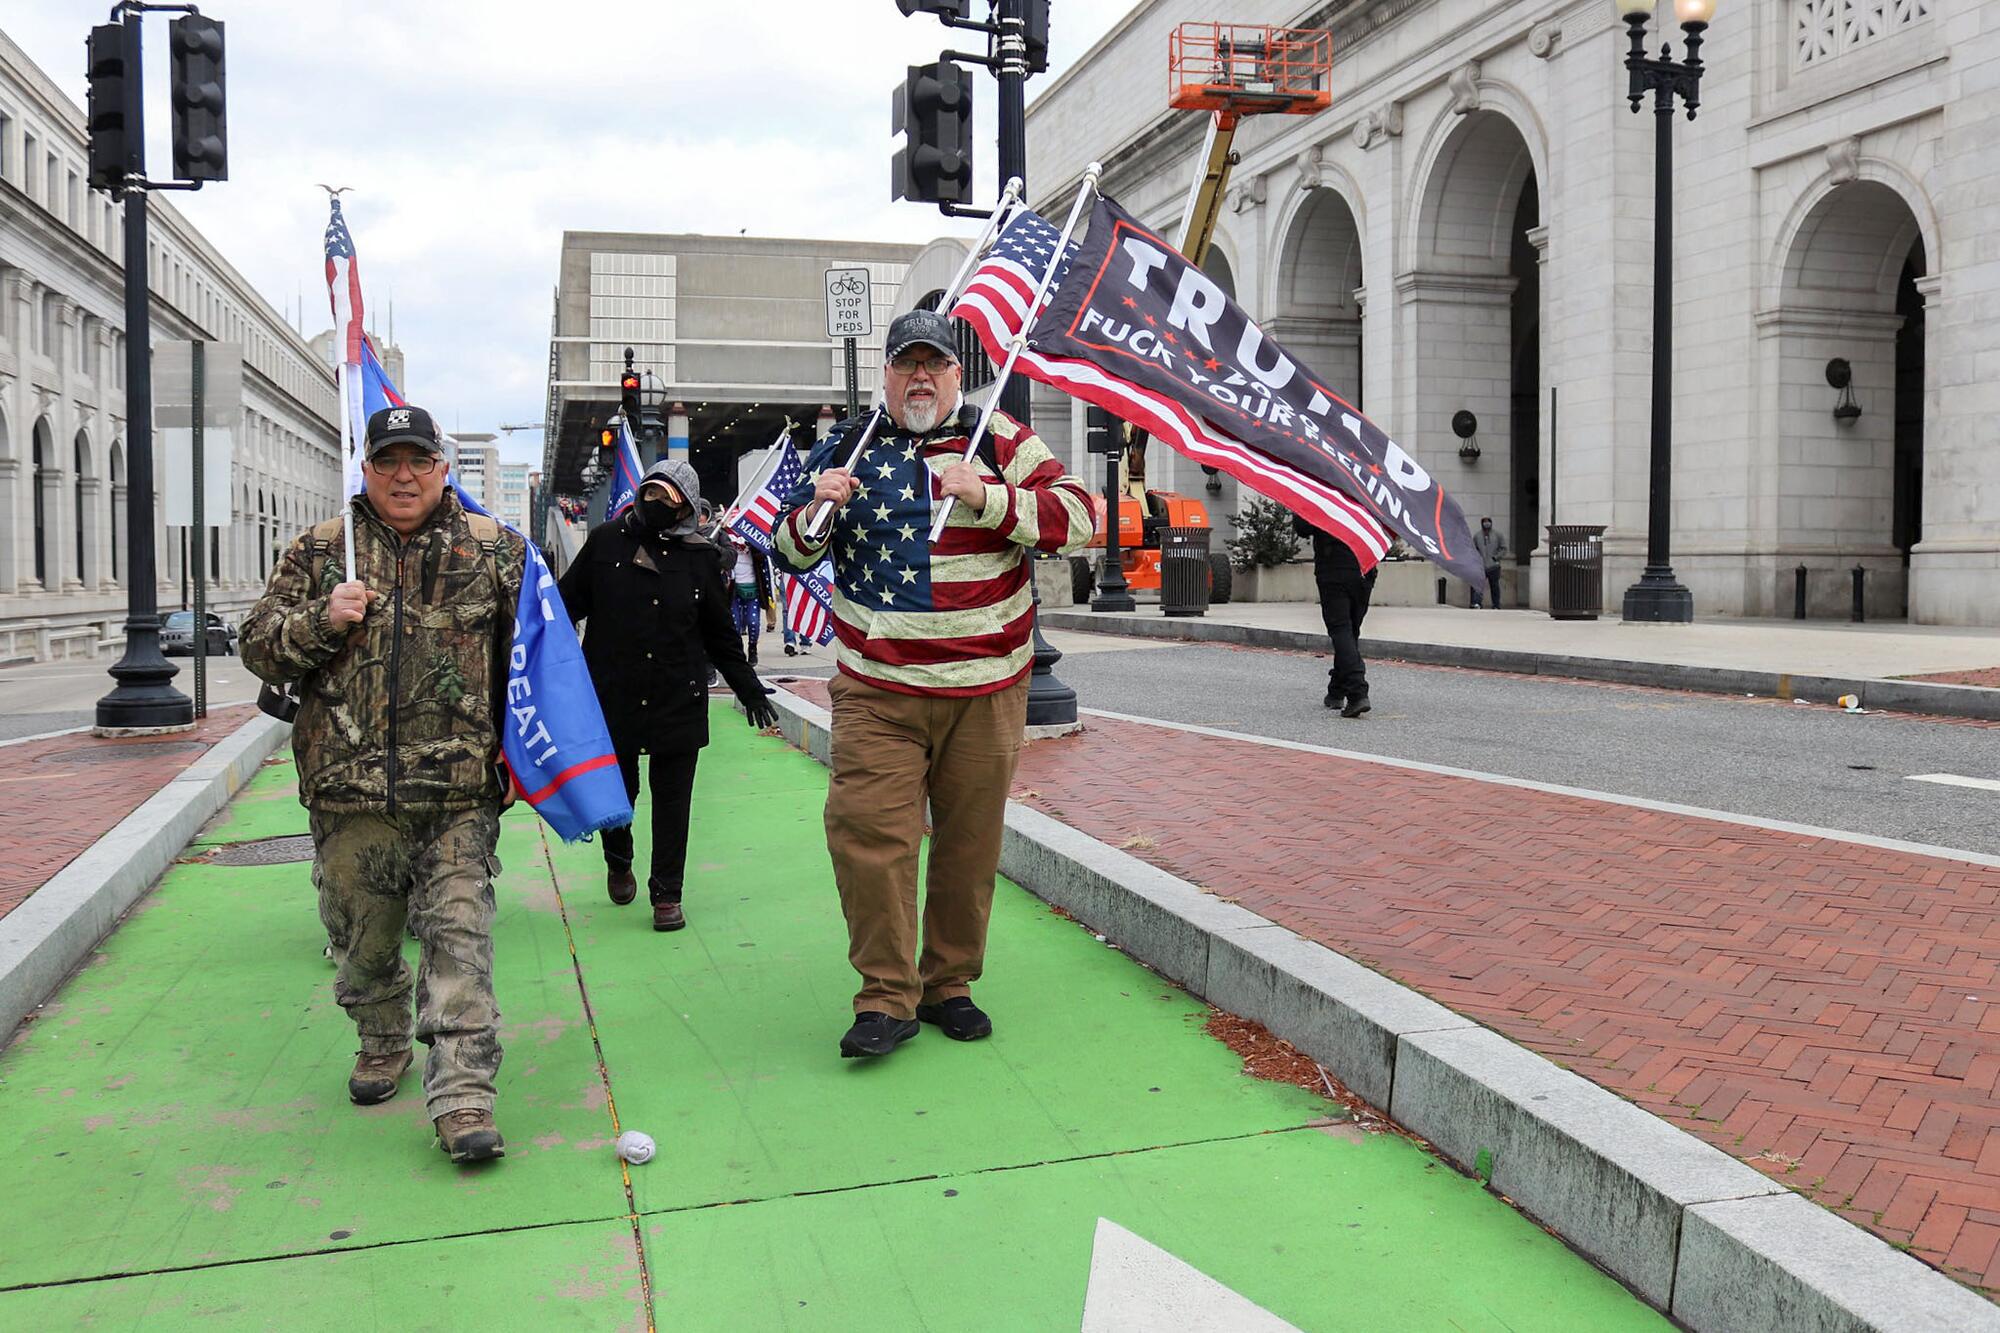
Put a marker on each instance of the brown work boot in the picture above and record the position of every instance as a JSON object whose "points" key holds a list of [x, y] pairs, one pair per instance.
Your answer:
{"points": [[667, 916], [469, 1135], [375, 1075], [622, 884]]}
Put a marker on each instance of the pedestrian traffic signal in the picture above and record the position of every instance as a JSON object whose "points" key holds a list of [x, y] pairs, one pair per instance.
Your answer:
{"points": [[195, 80], [944, 9], [1036, 31], [933, 110], [628, 398], [110, 144], [606, 438]]}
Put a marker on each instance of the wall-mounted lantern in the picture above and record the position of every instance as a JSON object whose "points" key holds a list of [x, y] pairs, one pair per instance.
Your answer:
{"points": [[1841, 376], [1465, 425]]}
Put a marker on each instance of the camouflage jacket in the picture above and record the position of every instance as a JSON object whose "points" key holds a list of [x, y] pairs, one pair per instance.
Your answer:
{"points": [[404, 710]]}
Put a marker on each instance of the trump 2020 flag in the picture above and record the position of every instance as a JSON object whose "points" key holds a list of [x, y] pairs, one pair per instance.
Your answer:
{"points": [[809, 603], [624, 474], [1137, 329]]}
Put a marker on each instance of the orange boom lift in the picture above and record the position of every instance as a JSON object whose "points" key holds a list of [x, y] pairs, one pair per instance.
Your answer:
{"points": [[1230, 70]]}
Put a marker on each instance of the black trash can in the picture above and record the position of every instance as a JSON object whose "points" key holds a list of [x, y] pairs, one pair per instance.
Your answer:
{"points": [[1576, 571], [1183, 571]]}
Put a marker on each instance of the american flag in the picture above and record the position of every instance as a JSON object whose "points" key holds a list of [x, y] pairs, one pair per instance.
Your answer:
{"points": [[343, 290], [995, 304], [809, 603], [753, 522]]}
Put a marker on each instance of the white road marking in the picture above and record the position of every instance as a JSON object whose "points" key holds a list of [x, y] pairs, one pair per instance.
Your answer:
{"points": [[1956, 780], [1137, 1287], [45, 736]]}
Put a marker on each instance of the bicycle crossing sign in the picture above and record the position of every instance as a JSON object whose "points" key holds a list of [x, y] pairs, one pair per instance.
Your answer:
{"points": [[850, 312]]}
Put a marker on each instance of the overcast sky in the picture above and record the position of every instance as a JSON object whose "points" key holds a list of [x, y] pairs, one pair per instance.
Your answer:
{"points": [[474, 134]]}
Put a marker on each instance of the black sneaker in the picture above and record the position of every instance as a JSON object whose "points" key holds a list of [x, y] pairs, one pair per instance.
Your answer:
{"points": [[959, 1018], [1356, 706], [1334, 698], [876, 1033], [791, 651]]}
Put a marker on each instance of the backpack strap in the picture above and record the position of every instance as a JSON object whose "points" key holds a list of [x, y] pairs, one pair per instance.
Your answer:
{"points": [[486, 531], [321, 542]]}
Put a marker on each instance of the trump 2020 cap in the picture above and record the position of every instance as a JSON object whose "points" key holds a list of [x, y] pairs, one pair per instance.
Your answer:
{"points": [[920, 328], [402, 425]]}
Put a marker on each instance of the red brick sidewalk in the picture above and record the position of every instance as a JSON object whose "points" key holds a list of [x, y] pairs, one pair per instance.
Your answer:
{"points": [[59, 796], [1827, 1012]]}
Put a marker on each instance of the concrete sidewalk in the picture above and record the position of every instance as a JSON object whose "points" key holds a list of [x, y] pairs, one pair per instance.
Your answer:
{"points": [[1909, 667], [181, 1150]]}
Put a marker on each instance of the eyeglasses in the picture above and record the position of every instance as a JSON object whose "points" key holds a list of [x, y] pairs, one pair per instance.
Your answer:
{"points": [[420, 465], [934, 366]]}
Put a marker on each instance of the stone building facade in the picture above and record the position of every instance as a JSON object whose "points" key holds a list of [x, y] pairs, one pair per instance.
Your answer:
{"points": [[63, 468], [1469, 227]]}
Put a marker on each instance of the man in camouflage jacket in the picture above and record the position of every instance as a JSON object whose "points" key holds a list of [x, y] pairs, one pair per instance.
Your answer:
{"points": [[400, 669]]}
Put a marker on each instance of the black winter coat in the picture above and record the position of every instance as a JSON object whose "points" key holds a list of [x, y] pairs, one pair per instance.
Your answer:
{"points": [[657, 617], [1333, 562]]}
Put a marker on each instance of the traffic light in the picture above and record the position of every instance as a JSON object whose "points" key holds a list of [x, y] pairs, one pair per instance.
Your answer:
{"points": [[606, 438], [944, 9], [201, 132], [933, 109], [628, 398], [110, 145], [1036, 31]]}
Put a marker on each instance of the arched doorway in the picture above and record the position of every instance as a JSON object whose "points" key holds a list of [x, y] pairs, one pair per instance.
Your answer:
{"points": [[10, 556], [116, 526], [1849, 462], [1470, 308], [44, 483], [1316, 307], [84, 495]]}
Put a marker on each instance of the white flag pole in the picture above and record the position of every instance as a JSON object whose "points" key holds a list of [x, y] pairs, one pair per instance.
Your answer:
{"points": [[1019, 342], [822, 518], [348, 470]]}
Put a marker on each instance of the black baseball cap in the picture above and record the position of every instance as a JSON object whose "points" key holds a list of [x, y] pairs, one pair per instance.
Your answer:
{"points": [[402, 425], [920, 328]]}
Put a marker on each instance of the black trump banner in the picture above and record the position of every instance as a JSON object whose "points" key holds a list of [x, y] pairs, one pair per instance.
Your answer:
{"points": [[1134, 307]]}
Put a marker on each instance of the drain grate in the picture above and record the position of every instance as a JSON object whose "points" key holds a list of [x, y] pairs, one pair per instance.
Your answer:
{"points": [[263, 851]]}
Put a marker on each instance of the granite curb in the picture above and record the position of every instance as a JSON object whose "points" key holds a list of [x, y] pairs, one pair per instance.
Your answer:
{"points": [[1692, 1230], [44, 939], [1904, 696]]}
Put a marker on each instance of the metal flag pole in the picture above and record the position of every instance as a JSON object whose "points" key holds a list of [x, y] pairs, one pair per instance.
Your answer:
{"points": [[1019, 342], [757, 479], [348, 468], [822, 518]]}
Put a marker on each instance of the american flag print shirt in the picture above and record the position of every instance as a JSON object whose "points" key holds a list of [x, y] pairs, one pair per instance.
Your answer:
{"points": [[950, 619]]}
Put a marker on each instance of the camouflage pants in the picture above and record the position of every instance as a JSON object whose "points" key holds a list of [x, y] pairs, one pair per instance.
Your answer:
{"points": [[433, 870]]}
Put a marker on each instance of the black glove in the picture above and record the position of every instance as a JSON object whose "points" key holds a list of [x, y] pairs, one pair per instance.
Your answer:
{"points": [[760, 712]]}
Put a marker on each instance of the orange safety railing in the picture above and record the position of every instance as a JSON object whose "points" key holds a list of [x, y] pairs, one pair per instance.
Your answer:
{"points": [[1249, 68]]}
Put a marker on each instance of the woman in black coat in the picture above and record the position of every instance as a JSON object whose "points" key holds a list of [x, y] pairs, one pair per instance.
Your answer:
{"points": [[651, 591]]}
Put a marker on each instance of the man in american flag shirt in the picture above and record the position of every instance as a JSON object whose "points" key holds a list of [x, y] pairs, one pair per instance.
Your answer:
{"points": [[931, 698]]}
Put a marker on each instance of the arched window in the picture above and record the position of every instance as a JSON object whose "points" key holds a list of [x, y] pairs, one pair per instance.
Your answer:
{"points": [[76, 490]]}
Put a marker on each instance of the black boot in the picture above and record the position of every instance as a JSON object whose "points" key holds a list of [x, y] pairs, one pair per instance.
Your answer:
{"points": [[1357, 704]]}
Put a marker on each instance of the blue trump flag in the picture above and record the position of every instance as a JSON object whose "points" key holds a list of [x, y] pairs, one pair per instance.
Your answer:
{"points": [[624, 474], [554, 742]]}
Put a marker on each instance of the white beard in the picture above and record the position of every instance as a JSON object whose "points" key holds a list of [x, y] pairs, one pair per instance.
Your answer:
{"points": [[921, 419]]}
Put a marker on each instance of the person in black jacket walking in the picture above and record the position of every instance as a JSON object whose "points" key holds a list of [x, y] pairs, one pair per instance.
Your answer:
{"points": [[1343, 604], [650, 588]]}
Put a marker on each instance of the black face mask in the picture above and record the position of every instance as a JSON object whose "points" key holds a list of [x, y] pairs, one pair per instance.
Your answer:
{"points": [[657, 515]]}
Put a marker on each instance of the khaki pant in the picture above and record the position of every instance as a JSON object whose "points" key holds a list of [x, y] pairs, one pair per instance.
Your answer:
{"points": [[890, 753], [433, 870]]}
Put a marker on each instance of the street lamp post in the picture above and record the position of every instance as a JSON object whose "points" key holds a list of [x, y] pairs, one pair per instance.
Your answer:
{"points": [[1658, 596]]}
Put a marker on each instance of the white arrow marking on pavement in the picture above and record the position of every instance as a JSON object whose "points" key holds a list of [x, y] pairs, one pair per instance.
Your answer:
{"points": [[1954, 780], [1137, 1287]]}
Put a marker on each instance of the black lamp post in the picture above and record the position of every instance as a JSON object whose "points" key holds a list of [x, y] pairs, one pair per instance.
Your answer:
{"points": [[1658, 595]]}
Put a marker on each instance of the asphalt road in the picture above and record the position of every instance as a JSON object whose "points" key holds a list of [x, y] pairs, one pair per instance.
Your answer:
{"points": [[1807, 764], [40, 697]]}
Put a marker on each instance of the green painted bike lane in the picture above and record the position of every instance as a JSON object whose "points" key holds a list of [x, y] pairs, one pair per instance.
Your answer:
{"points": [[180, 1150]]}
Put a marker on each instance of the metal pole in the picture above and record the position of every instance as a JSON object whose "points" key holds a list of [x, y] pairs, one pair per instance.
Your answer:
{"points": [[1112, 593], [853, 381], [1658, 595], [199, 644], [1050, 702], [144, 698]]}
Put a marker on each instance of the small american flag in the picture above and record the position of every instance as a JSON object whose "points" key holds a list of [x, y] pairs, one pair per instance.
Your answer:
{"points": [[995, 304], [809, 603], [753, 522], [343, 285]]}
